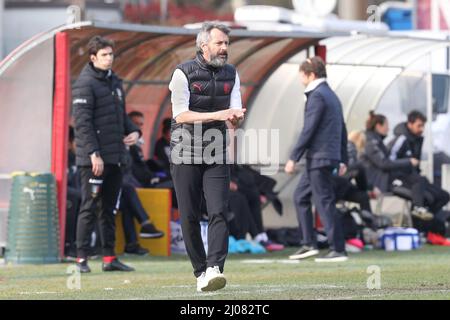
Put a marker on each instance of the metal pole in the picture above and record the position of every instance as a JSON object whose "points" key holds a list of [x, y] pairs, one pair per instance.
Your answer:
{"points": [[163, 5], [430, 171], [353, 9], [2, 6], [82, 5], [448, 54], [435, 16], [414, 13]]}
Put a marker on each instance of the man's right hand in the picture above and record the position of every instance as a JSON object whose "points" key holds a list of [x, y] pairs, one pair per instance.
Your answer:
{"points": [[97, 165], [414, 162], [231, 115]]}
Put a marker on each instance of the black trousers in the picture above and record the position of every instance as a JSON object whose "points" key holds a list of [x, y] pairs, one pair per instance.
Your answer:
{"points": [[100, 206], [316, 186], [247, 181], [424, 193], [358, 173], [131, 207], [252, 195], [435, 197], [417, 184], [190, 181], [347, 191], [73, 207], [243, 221]]}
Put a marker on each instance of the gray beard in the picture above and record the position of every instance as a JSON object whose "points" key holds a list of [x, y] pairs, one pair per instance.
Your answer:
{"points": [[217, 62]]}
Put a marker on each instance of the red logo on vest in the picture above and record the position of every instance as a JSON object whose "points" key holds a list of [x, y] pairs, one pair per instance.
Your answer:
{"points": [[227, 88], [197, 87]]}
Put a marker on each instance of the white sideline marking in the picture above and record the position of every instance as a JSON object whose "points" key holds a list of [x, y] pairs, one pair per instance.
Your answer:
{"points": [[38, 292], [277, 286], [266, 289]]}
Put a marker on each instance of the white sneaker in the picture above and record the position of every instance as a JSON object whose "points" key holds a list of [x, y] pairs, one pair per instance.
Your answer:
{"points": [[200, 282], [422, 213], [211, 280]]}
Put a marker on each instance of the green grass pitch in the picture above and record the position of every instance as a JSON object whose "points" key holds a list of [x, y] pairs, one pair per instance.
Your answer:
{"points": [[420, 274]]}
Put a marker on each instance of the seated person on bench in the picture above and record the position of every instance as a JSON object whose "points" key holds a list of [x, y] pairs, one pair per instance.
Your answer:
{"points": [[357, 192], [408, 144], [380, 169], [137, 176], [144, 177]]}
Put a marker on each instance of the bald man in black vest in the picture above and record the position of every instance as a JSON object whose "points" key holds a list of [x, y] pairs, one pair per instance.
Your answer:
{"points": [[206, 101]]}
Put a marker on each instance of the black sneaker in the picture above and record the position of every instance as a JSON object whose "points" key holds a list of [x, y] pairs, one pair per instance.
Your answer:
{"points": [[83, 266], [304, 252], [333, 256], [135, 249], [148, 231], [116, 265]]}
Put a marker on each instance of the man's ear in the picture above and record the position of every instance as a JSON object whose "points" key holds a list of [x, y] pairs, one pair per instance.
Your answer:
{"points": [[204, 46], [92, 57]]}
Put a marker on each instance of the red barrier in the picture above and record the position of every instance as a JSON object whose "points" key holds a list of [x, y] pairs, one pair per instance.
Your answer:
{"points": [[60, 136]]}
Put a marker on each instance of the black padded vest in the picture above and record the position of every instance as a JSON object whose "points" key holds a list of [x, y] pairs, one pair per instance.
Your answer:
{"points": [[210, 91]]}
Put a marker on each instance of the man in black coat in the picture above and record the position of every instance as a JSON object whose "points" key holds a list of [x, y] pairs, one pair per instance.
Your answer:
{"points": [[408, 140], [408, 144], [102, 132], [324, 141]]}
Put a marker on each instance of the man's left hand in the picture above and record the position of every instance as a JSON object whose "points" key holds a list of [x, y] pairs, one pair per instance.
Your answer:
{"points": [[290, 167], [131, 139], [235, 120], [233, 123]]}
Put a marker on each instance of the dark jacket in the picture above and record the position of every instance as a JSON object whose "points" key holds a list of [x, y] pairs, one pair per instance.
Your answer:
{"points": [[101, 122], [355, 168], [405, 145], [324, 135], [73, 175], [139, 167], [210, 91], [352, 153], [162, 153], [380, 169]]}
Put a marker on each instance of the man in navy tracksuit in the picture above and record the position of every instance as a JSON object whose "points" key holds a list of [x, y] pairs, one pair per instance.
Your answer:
{"points": [[324, 141]]}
